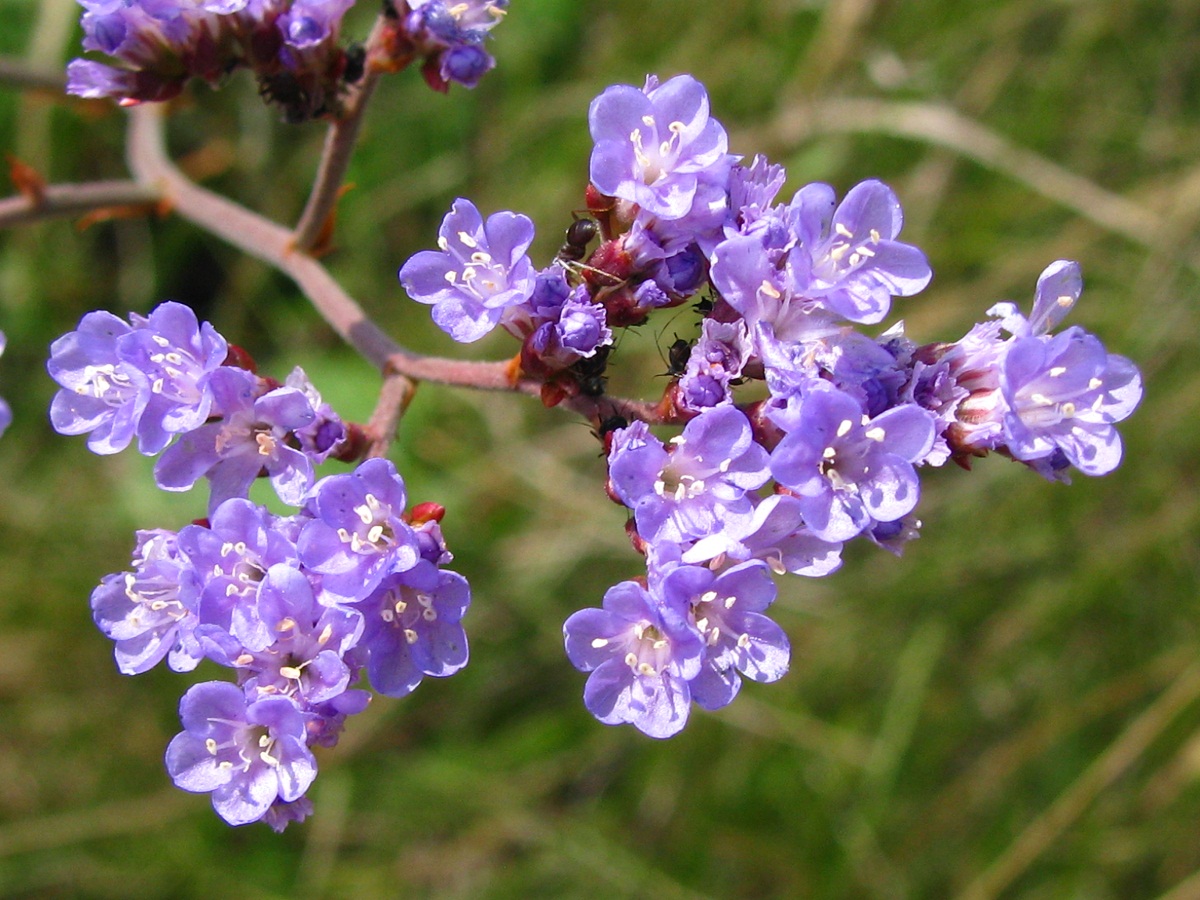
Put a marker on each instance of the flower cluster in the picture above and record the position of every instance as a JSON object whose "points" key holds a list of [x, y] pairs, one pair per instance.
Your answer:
{"points": [[166, 376], [300, 605], [825, 450], [447, 35], [290, 45]]}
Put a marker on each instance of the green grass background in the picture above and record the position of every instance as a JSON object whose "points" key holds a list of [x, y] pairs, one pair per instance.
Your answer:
{"points": [[1010, 710]]}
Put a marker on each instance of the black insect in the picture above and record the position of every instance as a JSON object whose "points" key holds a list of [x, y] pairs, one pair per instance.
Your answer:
{"points": [[677, 357], [589, 373], [356, 63], [579, 235], [610, 424]]}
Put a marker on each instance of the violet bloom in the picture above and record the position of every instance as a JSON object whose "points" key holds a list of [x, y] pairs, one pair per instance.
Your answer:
{"points": [[727, 611], [1051, 401], [250, 438], [777, 535], [575, 330], [857, 265], [641, 652], [696, 489], [5, 410], [1065, 394], [142, 611], [229, 564], [654, 146], [450, 35], [305, 659], [149, 379], [249, 755], [480, 271], [715, 362], [358, 536], [847, 469], [413, 628], [326, 434]]}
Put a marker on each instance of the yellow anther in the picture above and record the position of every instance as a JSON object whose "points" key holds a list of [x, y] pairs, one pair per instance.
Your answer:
{"points": [[876, 434], [844, 427], [410, 636], [598, 643], [843, 230]]}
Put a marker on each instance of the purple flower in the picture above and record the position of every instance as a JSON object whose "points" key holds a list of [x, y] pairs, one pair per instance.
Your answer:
{"points": [[249, 755], [727, 611], [480, 271], [229, 564], [655, 145], [450, 35], [752, 190], [150, 378], [574, 330], [641, 652], [777, 535], [281, 814], [305, 659], [142, 611], [250, 437], [697, 488], [1051, 401], [5, 411], [413, 628], [847, 469], [326, 434], [715, 361], [358, 536], [857, 265], [1065, 393], [806, 268]]}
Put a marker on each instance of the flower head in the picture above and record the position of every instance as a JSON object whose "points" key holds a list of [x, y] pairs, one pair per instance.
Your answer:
{"points": [[654, 146], [249, 755], [480, 270]]}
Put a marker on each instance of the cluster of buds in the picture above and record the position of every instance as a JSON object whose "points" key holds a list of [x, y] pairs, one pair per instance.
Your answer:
{"points": [[767, 479], [292, 46]]}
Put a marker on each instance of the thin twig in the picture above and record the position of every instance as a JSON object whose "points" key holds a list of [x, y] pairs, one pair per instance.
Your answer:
{"points": [[943, 126], [22, 75], [272, 243], [335, 158], [394, 396], [59, 200]]}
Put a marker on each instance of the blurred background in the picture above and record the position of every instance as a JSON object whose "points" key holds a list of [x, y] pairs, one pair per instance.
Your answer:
{"points": [[1010, 710]]}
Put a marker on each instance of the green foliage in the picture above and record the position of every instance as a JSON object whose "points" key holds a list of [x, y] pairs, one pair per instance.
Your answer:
{"points": [[1010, 709]]}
